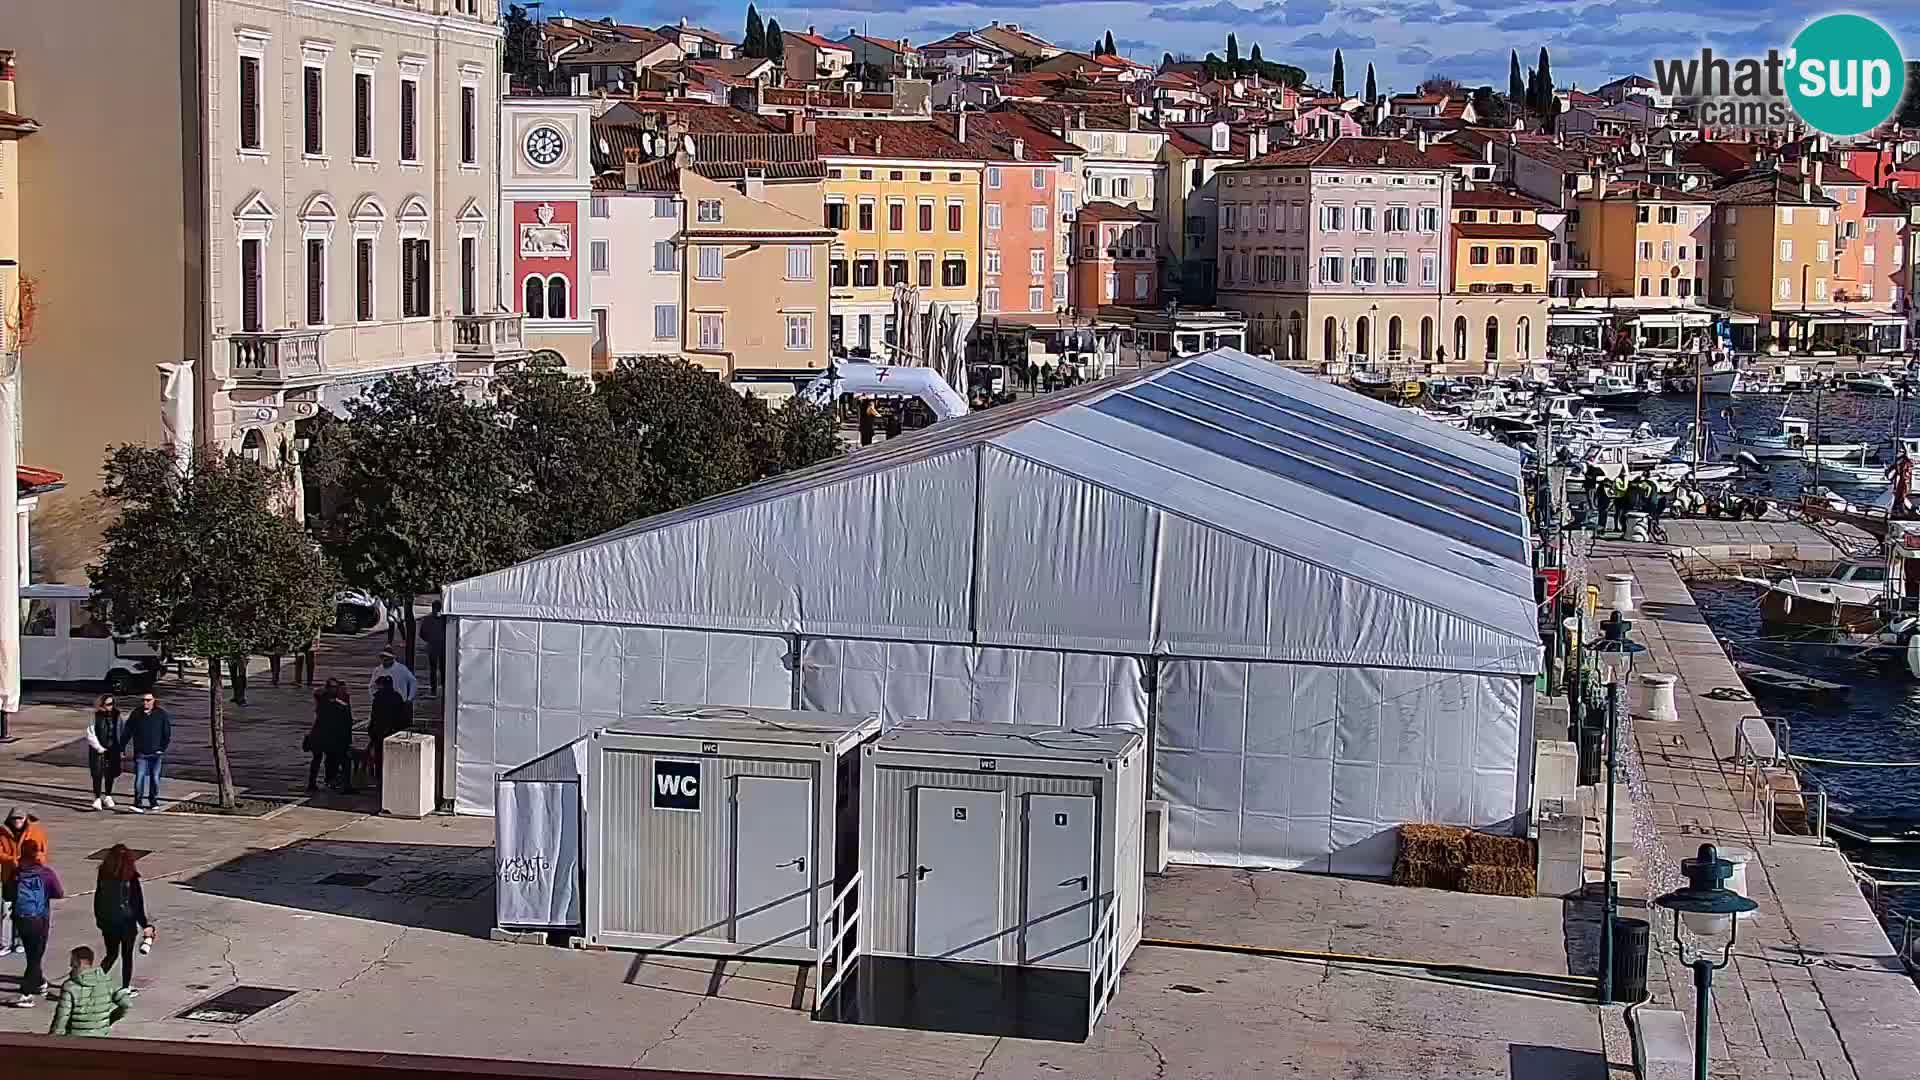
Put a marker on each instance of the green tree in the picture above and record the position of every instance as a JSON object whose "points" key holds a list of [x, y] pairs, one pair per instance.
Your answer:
{"points": [[427, 487], [1544, 104], [582, 479], [1253, 58], [1516, 87], [1166, 61], [1532, 98], [776, 42], [1108, 45], [203, 560], [1373, 89], [755, 43], [1233, 53], [522, 58], [1339, 74]]}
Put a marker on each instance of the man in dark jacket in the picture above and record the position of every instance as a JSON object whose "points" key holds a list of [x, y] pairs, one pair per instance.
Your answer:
{"points": [[148, 731]]}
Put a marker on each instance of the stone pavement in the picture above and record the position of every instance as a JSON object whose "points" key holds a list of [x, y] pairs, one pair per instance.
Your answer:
{"points": [[1722, 548], [1815, 989], [397, 957]]}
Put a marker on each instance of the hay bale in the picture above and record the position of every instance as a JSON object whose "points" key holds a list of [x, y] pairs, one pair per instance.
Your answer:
{"points": [[1422, 874], [1487, 849], [1444, 845], [1499, 880]]}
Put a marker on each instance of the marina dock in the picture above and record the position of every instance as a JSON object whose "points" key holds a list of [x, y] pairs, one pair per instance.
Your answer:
{"points": [[1815, 987]]}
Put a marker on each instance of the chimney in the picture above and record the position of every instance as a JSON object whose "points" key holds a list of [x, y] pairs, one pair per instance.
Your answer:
{"points": [[960, 126], [1420, 139], [1819, 170], [1261, 134], [1806, 189], [1893, 185], [1019, 147], [878, 143], [754, 185], [810, 32], [1486, 152], [851, 148], [794, 122], [1080, 119], [631, 178], [1133, 119], [683, 21]]}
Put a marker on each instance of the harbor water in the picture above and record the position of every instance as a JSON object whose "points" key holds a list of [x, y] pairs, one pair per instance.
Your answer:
{"points": [[1841, 417]]}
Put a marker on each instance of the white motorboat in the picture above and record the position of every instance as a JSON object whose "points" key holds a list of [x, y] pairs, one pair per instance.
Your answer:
{"points": [[1725, 378], [1675, 471], [1878, 383], [1847, 600], [1792, 437], [1616, 392], [1860, 474]]}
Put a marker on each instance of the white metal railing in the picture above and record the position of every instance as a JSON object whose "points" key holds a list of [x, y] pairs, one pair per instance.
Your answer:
{"points": [[839, 942], [1103, 964]]}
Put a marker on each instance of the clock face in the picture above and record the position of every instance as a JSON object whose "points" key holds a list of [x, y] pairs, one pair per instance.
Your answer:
{"points": [[545, 145]]}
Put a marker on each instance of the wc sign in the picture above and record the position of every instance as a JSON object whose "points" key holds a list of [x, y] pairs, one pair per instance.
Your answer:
{"points": [[676, 785]]}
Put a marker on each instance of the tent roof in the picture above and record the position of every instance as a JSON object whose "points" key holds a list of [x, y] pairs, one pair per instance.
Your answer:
{"points": [[1216, 507]]}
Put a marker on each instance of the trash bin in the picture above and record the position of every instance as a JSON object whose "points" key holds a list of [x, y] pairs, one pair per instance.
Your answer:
{"points": [[1590, 740], [1630, 940]]}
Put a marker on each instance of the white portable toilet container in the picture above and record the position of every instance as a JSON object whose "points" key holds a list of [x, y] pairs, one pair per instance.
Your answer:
{"points": [[1006, 845], [719, 830]]}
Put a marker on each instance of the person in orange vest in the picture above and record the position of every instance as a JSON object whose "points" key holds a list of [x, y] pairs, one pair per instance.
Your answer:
{"points": [[15, 830]]}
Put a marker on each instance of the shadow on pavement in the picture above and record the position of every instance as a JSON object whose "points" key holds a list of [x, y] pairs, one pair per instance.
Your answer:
{"points": [[1526, 1061], [441, 887]]}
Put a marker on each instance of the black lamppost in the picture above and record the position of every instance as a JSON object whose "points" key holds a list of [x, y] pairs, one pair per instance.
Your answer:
{"points": [[1616, 655], [1709, 909]]}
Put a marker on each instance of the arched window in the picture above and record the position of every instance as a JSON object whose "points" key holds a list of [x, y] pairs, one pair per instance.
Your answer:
{"points": [[1363, 336], [556, 297], [1331, 345], [1493, 338], [1525, 332], [1460, 338], [1393, 338], [253, 445], [1426, 338], [536, 298]]}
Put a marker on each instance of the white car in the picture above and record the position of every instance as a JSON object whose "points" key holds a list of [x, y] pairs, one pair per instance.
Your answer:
{"points": [[63, 639]]}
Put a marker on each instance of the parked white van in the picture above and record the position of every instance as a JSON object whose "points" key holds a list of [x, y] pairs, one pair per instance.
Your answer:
{"points": [[62, 639]]}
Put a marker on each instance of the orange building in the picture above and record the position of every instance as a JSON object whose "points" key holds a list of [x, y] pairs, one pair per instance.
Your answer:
{"points": [[1118, 264]]}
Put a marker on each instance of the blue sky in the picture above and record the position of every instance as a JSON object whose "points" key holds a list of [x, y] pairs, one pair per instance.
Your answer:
{"points": [[1590, 41]]}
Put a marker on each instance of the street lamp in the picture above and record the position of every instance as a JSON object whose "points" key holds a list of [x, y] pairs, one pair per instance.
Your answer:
{"points": [[1707, 907], [1616, 653]]}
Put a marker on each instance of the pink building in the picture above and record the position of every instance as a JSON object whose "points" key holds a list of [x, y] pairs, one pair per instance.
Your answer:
{"points": [[1319, 123], [1022, 270], [1118, 262], [1883, 253]]}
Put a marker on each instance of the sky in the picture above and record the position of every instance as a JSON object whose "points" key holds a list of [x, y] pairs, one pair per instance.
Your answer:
{"points": [[1589, 41]]}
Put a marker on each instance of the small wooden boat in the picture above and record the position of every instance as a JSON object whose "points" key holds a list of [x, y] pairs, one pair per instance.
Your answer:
{"points": [[1766, 680], [1388, 388]]}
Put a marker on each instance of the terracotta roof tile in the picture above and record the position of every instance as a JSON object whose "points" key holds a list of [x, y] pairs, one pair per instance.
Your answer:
{"points": [[1351, 152], [1494, 198], [816, 41], [1766, 189], [1106, 211], [1481, 230], [1886, 203], [904, 139]]}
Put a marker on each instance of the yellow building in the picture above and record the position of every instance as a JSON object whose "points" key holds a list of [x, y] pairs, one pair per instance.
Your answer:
{"points": [[1649, 244], [1497, 299], [1771, 237], [904, 199]]}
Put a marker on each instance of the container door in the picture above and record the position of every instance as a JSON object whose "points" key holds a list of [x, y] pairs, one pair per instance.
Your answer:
{"points": [[957, 873], [1060, 881], [772, 860]]}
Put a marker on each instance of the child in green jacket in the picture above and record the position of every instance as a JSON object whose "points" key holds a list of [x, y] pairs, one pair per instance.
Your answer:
{"points": [[89, 1003]]}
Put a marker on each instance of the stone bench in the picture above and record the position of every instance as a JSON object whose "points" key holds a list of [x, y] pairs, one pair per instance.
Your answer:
{"points": [[1662, 1045]]}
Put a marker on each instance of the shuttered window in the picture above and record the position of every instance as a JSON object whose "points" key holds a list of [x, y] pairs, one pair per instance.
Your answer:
{"points": [[316, 282], [409, 100], [469, 120], [250, 102], [469, 271], [250, 319], [311, 89], [416, 279], [363, 114], [363, 279]]}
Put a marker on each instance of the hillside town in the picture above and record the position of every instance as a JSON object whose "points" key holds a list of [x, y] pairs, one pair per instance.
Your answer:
{"points": [[711, 549]]}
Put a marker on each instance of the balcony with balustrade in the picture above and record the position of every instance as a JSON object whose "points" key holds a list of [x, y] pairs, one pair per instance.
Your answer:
{"points": [[276, 356], [496, 335]]}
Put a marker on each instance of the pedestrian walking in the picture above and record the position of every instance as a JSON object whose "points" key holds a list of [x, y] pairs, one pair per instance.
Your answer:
{"points": [[103, 750], [433, 639], [400, 673], [149, 730], [1600, 493], [35, 888], [331, 741], [237, 675], [387, 713], [869, 417], [89, 1005], [303, 665], [120, 911], [16, 831]]}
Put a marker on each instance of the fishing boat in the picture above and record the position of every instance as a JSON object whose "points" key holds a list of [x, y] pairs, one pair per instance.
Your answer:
{"points": [[1768, 680], [1859, 474], [1615, 392], [1382, 386], [1724, 377], [1877, 383], [1848, 600], [1791, 437]]}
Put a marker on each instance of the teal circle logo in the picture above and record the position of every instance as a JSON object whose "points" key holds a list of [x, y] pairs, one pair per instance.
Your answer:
{"points": [[1845, 75]]}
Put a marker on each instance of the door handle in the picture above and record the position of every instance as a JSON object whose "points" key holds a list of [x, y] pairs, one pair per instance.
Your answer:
{"points": [[799, 864], [920, 872], [1081, 881]]}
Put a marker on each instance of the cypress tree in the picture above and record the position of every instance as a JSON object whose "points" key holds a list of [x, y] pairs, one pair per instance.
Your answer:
{"points": [[1546, 83], [1339, 74], [1233, 53], [756, 42], [1516, 86], [1254, 57], [1373, 92], [1110, 50], [776, 44]]}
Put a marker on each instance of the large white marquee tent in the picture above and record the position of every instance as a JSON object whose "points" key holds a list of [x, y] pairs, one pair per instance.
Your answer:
{"points": [[1319, 606]]}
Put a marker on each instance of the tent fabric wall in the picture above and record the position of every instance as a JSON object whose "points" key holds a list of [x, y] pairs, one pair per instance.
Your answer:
{"points": [[526, 688], [962, 684], [1297, 766]]}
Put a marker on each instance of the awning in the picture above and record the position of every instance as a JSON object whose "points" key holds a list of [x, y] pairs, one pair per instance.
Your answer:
{"points": [[33, 480], [1577, 317], [1677, 319]]}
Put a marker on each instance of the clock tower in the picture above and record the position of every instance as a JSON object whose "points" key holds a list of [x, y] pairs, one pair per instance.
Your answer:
{"points": [[546, 178]]}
